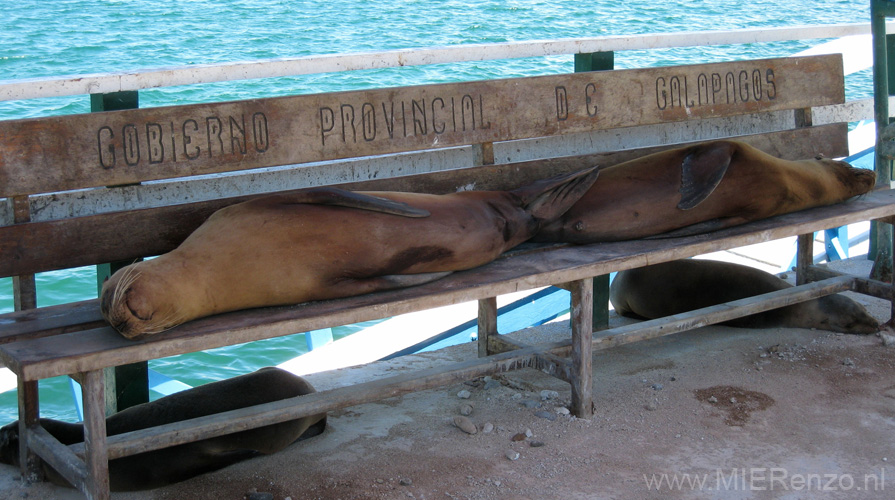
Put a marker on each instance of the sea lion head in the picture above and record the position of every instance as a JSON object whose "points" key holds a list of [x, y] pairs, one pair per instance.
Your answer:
{"points": [[9, 443], [138, 301], [839, 313], [850, 181]]}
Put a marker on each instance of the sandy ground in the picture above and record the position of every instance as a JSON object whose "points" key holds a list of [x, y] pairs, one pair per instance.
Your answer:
{"points": [[714, 413]]}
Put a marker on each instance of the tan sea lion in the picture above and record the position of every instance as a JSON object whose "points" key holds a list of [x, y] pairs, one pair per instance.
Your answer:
{"points": [[679, 286], [701, 188], [328, 243], [154, 469]]}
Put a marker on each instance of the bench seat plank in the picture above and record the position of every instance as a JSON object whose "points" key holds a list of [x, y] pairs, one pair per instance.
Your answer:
{"points": [[50, 320], [101, 347]]}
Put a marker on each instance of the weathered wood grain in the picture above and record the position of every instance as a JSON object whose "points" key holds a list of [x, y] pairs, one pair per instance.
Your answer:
{"points": [[126, 236], [50, 320], [96, 348], [182, 432], [125, 147], [58, 456], [96, 452], [487, 324], [582, 347]]}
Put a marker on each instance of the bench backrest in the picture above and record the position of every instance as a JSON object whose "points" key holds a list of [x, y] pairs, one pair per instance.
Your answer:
{"points": [[113, 151]]}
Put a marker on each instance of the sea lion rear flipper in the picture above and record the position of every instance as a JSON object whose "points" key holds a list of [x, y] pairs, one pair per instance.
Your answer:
{"points": [[343, 198], [548, 199], [702, 171]]}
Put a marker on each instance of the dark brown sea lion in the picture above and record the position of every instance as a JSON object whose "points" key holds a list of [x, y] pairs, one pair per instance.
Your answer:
{"points": [[170, 465], [702, 188], [328, 243], [685, 285]]}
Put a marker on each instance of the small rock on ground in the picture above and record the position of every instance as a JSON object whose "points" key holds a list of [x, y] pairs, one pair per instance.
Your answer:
{"points": [[465, 425]]}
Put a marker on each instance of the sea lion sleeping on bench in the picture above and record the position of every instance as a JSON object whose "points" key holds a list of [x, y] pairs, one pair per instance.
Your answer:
{"points": [[328, 243], [158, 468], [702, 188]]}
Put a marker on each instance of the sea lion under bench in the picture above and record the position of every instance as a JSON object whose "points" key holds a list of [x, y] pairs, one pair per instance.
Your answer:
{"points": [[702, 188], [328, 243], [158, 468], [679, 286]]}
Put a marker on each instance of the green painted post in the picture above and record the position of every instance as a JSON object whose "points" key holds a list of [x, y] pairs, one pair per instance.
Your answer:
{"points": [[598, 61], [126, 385], [889, 56], [594, 61], [881, 234]]}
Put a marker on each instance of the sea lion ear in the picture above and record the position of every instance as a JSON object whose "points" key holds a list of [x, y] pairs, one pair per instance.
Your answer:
{"points": [[702, 171]]}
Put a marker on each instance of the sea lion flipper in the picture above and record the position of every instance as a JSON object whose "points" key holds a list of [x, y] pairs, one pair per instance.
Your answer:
{"points": [[362, 201], [358, 286], [550, 198], [699, 228], [315, 429], [702, 171]]}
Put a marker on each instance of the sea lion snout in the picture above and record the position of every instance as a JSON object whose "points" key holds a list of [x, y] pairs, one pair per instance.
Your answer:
{"points": [[855, 180], [114, 302], [136, 306], [839, 313]]}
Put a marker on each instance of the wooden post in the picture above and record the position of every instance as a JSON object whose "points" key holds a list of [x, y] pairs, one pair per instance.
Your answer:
{"points": [[24, 291], [29, 417], [598, 61], [24, 288], [581, 377], [804, 257], [487, 324], [126, 385], [96, 453]]}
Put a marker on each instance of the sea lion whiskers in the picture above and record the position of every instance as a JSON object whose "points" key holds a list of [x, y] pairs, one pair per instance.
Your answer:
{"points": [[158, 324], [131, 274]]}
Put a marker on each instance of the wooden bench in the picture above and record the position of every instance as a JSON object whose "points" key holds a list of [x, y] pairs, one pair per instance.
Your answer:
{"points": [[768, 103]]}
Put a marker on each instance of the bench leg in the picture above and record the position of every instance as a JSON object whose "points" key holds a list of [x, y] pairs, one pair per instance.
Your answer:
{"points": [[582, 348], [487, 324], [96, 454], [29, 418], [804, 257]]}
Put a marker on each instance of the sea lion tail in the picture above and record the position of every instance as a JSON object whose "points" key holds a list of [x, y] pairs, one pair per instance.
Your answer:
{"points": [[549, 199]]}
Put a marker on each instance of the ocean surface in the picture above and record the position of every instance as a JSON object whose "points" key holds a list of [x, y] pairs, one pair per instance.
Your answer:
{"points": [[40, 38]]}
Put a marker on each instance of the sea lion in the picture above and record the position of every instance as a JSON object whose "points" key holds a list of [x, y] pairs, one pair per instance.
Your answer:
{"points": [[327, 243], [679, 286], [701, 188], [158, 468]]}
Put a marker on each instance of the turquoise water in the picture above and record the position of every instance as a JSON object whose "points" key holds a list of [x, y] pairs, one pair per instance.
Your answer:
{"points": [[69, 37]]}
